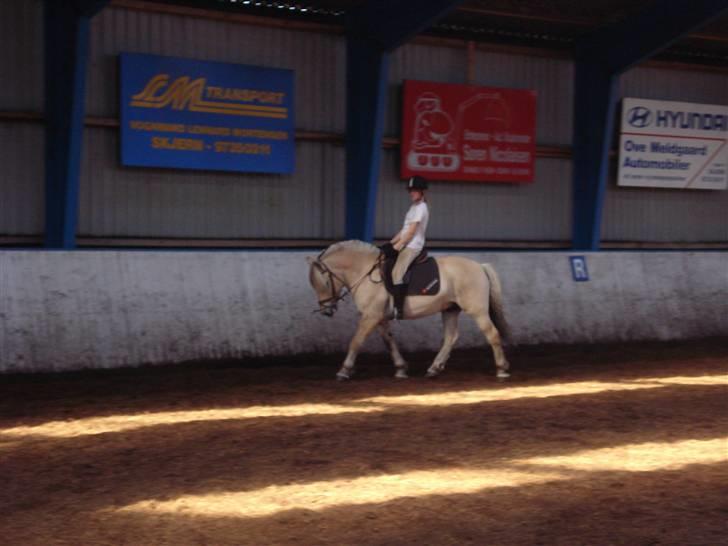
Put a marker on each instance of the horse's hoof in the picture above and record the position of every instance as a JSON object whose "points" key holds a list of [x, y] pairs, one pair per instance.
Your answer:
{"points": [[502, 376], [431, 374], [342, 377], [401, 375]]}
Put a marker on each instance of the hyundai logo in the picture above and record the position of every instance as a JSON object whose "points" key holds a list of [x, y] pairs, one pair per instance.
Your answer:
{"points": [[639, 116]]}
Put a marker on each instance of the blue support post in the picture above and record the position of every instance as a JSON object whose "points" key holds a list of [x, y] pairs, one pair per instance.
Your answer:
{"points": [[595, 100], [373, 32], [600, 58], [66, 52], [366, 85]]}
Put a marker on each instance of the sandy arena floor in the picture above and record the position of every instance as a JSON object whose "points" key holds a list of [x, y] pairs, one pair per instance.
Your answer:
{"points": [[584, 445]]}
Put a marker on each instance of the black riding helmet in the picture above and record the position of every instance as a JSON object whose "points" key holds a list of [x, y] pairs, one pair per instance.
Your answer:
{"points": [[416, 183]]}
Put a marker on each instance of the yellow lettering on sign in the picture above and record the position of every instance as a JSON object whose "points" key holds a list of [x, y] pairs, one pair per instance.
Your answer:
{"points": [[155, 126], [187, 144], [208, 130], [249, 148], [187, 94], [261, 133]]}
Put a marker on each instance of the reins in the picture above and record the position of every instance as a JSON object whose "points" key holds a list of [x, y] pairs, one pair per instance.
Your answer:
{"points": [[330, 305]]}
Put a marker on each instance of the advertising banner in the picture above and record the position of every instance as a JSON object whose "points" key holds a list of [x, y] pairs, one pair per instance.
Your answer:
{"points": [[673, 145], [188, 114], [466, 132]]}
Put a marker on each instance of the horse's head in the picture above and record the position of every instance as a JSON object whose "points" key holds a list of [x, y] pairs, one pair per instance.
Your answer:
{"points": [[326, 284]]}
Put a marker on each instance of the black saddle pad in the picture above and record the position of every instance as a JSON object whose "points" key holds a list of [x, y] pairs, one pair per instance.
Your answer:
{"points": [[422, 279]]}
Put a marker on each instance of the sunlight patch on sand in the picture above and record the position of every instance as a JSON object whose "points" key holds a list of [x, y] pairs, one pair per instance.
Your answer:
{"points": [[687, 380], [347, 492], [321, 495], [120, 423], [640, 457], [511, 393]]}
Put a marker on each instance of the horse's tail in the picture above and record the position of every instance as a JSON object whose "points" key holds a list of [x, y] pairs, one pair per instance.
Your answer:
{"points": [[495, 309]]}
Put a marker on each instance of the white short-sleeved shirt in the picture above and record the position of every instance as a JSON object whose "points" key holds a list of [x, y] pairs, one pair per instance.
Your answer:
{"points": [[418, 212]]}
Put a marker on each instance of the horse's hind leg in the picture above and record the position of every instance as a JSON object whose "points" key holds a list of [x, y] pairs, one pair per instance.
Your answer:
{"points": [[399, 362], [450, 336], [365, 327], [494, 339]]}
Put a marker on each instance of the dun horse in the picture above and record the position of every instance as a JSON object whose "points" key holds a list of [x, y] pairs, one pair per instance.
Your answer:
{"points": [[465, 285]]}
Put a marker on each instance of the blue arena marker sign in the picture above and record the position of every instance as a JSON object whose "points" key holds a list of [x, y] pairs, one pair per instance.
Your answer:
{"points": [[579, 271], [187, 114]]}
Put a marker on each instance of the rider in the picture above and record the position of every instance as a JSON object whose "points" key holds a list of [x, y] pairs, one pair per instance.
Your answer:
{"points": [[410, 241]]}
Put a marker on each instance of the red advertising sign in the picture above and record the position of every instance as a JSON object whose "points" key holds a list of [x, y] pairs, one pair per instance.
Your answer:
{"points": [[465, 132]]}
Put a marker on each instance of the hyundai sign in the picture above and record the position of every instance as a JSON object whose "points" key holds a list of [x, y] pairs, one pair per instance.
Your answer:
{"points": [[673, 145], [188, 114]]}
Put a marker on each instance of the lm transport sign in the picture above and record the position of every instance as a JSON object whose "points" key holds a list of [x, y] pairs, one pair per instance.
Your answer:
{"points": [[188, 114], [673, 145], [466, 132]]}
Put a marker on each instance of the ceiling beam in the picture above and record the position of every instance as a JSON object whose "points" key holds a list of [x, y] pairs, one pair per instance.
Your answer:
{"points": [[390, 23], [621, 45], [88, 8]]}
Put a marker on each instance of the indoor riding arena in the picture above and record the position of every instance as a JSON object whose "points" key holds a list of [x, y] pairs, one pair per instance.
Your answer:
{"points": [[197, 341]]}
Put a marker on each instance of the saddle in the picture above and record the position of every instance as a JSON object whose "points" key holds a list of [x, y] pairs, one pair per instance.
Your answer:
{"points": [[422, 277]]}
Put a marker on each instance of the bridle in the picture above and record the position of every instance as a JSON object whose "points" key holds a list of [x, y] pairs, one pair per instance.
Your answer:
{"points": [[330, 305]]}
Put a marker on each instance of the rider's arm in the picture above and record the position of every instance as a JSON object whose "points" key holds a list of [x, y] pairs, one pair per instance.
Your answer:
{"points": [[406, 236]]}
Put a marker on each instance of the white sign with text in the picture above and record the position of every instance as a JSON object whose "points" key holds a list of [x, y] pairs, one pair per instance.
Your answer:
{"points": [[673, 145]]}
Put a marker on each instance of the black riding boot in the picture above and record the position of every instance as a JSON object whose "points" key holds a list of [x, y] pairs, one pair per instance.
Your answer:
{"points": [[400, 291]]}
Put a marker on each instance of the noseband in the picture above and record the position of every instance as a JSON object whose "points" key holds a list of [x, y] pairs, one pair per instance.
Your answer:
{"points": [[329, 306]]}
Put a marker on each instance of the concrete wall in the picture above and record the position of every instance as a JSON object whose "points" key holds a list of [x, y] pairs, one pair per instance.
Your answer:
{"points": [[72, 310]]}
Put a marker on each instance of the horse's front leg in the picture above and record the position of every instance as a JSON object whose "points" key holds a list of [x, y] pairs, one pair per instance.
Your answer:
{"points": [[365, 327], [399, 362]]}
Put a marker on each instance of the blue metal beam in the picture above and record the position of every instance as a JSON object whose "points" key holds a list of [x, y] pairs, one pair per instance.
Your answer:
{"points": [[372, 33], [600, 58], [88, 8], [390, 23], [594, 107], [622, 45], [66, 52], [366, 90]]}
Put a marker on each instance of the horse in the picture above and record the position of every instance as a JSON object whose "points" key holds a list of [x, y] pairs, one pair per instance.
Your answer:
{"points": [[355, 267]]}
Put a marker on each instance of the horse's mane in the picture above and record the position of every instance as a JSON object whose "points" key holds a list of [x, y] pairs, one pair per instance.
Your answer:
{"points": [[353, 244]]}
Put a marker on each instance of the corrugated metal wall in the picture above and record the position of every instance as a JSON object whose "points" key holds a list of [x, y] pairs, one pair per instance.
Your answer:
{"points": [[318, 59], [658, 214], [138, 202], [469, 211], [21, 55], [21, 144], [118, 201], [21, 179]]}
